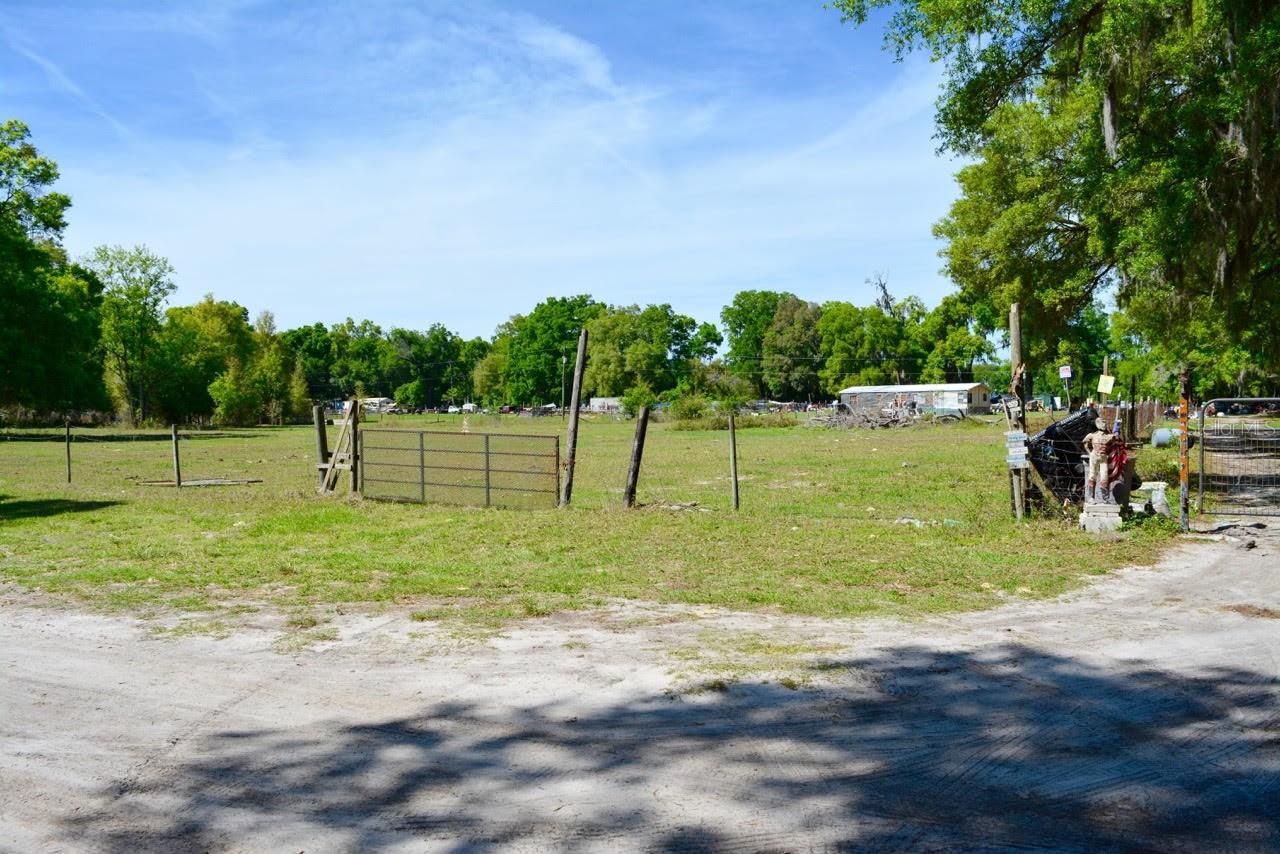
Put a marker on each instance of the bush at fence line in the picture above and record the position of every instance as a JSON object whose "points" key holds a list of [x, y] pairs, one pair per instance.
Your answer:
{"points": [[720, 421], [635, 397], [690, 407], [20, 416]]}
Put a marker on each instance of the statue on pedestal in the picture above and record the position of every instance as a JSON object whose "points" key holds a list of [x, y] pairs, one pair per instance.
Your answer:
{"points": [[1097, 472]]}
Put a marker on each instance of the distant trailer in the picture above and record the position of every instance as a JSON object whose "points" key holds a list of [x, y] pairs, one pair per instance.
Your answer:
{"points": [[969, 398], [605, 404]]}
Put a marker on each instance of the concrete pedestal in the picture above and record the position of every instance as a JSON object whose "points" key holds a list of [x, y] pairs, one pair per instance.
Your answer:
{"points": [[1100, 518]]}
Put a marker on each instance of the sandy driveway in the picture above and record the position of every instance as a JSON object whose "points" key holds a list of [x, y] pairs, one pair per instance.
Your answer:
{"points": [[1140, 712]]}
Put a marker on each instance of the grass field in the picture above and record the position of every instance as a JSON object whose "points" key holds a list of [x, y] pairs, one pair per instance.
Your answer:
{"points": [[821, 529]]}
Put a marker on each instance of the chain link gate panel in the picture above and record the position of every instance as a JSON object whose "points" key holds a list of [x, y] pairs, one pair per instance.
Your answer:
{"points": [[1240, 457], [477, 469]]}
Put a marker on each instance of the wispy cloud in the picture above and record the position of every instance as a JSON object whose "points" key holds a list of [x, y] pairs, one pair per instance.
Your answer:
{"points": [[60, 81], [416, 164]]}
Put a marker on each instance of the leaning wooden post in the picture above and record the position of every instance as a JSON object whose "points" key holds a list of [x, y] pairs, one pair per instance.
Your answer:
{"points": [[1017, 477], [637, 452], [68, 426], [177, 464], [575, 402], [322, 441], [733, 458]]}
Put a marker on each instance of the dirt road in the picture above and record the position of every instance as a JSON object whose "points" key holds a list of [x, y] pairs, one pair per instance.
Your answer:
{"points": [[1140, 712]]}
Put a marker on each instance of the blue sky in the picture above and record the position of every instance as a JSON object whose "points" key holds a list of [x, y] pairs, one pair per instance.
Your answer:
{"points": [[458, 162]]}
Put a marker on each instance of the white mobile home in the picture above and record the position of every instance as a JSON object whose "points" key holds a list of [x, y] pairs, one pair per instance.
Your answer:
{"points": [[970, 398], [605, 404]]}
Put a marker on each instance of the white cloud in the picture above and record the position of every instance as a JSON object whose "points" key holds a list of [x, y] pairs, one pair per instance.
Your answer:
{"points": [[62, 83], [531, 171]]}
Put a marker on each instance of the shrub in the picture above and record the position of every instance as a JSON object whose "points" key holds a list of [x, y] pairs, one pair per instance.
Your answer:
{"points": [[720, 421], [635, 397], [689, 407]]}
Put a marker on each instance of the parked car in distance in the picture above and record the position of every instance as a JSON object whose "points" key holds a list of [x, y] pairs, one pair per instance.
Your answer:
{"points": [[454, 410]]}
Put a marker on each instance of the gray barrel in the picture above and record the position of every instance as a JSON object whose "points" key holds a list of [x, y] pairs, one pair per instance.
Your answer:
{"points": [[1164, 437]]}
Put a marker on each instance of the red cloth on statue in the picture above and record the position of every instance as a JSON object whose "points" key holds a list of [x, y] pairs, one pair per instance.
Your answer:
{"points": [[1116, 458]]}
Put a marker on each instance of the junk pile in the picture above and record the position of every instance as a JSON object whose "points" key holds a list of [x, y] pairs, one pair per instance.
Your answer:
{"points": [[874, 419], [1058, 455]]}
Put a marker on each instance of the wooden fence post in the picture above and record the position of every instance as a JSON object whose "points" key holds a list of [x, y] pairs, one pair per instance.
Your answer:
{"points": [[575, 402], [1133, 410], [355, 448], [1184, 446], [68, 426], [1017, 477], [177, 465], [733, 458], [637, 452], [487, 470], [322, 440]]}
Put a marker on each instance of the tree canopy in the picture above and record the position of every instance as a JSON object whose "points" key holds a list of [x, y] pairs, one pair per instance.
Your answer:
{"points": [[1119, 145], [49, 356]]}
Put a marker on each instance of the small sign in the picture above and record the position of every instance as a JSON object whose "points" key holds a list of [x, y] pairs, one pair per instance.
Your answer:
{"points": [[1019, 463], [1014, 436], [1064, 372], [1105, 384]]}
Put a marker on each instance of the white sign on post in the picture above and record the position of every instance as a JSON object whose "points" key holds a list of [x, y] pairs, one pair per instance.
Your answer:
{"points": [[1015, 446], [1064, 372]]}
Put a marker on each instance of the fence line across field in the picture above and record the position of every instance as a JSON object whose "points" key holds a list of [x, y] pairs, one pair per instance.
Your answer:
{"points": [[476, 469]]}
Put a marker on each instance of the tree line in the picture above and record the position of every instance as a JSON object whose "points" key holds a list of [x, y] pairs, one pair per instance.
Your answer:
{"points": [[98, 332]]}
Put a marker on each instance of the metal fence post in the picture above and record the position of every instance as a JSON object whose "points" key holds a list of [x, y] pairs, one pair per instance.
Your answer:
{"points": [[422, 467]]}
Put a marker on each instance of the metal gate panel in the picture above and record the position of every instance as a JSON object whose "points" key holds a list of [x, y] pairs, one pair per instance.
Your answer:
{"points": [[1240, 457], [476, 469]]}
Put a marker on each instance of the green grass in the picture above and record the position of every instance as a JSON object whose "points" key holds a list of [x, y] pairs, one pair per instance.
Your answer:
{"points": [[818, 532]]}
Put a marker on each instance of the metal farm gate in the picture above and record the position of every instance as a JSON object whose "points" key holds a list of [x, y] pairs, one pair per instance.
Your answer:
{"points": [[1240, 457], [478, 469]]}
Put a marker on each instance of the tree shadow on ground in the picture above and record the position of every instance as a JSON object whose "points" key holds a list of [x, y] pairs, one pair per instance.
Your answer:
{"points": [[1002, 748], [32, 508]]}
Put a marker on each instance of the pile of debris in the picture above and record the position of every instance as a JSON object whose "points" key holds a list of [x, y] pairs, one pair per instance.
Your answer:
{"points": [[873, 419], [1057, 454]]}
